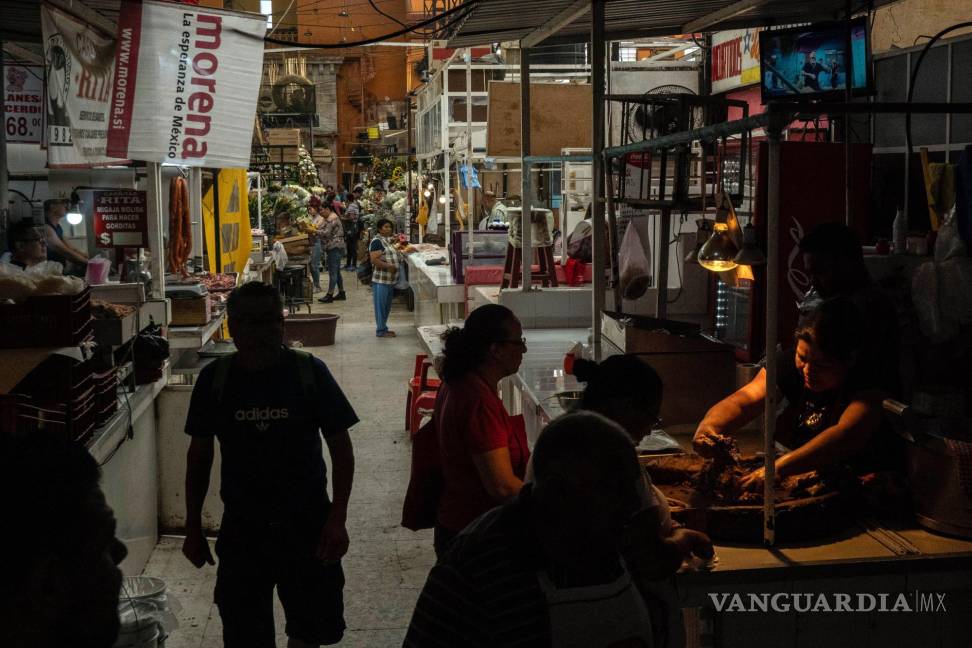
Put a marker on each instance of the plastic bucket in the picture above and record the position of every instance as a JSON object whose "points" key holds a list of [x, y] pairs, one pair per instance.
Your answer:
{"points": [[312, 330]]}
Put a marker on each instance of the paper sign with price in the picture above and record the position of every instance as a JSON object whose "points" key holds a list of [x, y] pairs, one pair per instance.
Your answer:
{"points": [[23, 103], [120, 218]]}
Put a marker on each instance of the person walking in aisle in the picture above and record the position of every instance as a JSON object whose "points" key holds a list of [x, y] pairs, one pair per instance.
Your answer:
{"points": [[332, 238], [268, 405], [317, 245], [350, 221], [386, 260]]}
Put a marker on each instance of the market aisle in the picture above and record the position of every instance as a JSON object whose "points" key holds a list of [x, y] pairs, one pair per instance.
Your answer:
{"points": [[386, 565]]}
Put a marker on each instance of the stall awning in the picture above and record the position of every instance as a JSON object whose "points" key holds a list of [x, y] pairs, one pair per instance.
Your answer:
{"points": [[492, 21]]}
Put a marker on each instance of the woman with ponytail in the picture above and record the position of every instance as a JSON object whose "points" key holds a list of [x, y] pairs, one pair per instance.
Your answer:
{"points": [[628, 391], [483, 450]]}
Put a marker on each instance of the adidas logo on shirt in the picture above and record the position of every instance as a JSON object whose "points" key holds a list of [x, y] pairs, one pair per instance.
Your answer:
{"points": [[262, 415]]}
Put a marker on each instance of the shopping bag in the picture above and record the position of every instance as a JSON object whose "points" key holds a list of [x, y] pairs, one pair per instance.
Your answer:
{"points": [[635, 266], [580, 243], [425, 481], [364, 272], [401, 280]]}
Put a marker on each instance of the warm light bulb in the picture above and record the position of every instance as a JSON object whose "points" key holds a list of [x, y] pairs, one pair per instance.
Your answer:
{"points": [[442, 199], [427, 193], [719, 252], [74, 218], [431, 186]]}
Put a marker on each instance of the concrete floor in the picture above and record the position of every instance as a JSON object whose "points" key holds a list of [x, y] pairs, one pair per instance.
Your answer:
{"points": [[386, 565]]}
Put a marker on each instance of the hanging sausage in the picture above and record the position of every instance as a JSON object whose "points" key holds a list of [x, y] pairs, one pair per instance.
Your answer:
{"points": [[180, 227]]}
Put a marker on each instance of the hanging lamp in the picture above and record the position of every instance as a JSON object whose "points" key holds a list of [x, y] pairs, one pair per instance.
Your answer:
{"points": [[719, 252], [703, 231], [750, 254]]}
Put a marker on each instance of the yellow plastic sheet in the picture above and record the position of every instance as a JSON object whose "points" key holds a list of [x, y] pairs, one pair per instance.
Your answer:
{"points": [[234, 223]]}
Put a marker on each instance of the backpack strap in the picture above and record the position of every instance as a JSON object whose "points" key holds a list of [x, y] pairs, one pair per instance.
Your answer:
{"points": [[222, 368], [305, 370]]}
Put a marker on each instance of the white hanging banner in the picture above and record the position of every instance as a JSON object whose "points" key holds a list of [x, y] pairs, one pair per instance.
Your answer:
{"points": [[80, 60], [186, 84]]}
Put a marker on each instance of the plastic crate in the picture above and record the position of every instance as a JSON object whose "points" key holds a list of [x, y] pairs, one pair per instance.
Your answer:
{"points": [[46, 321]]}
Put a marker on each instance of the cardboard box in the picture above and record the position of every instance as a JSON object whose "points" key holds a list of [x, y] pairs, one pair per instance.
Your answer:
{"points": [[696, 371], [191, 311], [114, 332]]}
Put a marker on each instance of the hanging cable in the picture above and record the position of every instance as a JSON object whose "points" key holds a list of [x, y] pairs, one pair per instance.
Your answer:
{"points": [[914, 78], [284, 15], [379, 11], [463, 10]]}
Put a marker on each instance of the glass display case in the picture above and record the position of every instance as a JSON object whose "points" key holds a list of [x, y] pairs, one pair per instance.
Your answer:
{"points": [[488, 248]]}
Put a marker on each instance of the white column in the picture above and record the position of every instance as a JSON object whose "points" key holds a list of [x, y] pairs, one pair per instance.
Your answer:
{"points": [[153, 172]]}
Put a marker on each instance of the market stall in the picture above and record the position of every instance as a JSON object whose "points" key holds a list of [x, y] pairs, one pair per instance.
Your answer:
{"points": [[149, 256], [683, 160]]}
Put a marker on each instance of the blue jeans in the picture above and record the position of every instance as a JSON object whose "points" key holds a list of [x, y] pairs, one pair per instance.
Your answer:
{"points": [[334, 270], [382, 295], [315, 264]]}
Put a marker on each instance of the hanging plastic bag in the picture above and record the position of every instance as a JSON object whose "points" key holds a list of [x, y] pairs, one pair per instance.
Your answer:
{"points": [[279, 255], [635, 267]]}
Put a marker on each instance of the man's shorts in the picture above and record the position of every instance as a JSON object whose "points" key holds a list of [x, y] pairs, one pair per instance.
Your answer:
{"points": [[253, 559]]}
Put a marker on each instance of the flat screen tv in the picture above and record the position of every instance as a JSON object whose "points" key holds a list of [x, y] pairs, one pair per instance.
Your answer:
{"points": [[810, 62]]}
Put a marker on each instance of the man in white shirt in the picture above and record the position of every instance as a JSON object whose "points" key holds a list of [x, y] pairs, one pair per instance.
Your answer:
{"points": [[493, 210]]}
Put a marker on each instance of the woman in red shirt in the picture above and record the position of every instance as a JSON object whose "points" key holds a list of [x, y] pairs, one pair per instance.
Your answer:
{"points": [[483, 450]]}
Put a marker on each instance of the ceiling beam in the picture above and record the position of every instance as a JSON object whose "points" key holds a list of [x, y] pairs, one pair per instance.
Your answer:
{"points": [[556, 23], [721, 15]]}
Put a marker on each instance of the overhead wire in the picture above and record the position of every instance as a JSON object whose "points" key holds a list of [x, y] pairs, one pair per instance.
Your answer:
{"points": [[462, 10], [286, 11]]}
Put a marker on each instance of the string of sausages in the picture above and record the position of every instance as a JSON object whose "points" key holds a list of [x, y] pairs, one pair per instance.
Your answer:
{"points": [[180, 227]]}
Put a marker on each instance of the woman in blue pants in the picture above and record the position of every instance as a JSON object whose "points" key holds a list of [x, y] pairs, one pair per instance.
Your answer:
{"points": [[334, 247], [385, 259]]}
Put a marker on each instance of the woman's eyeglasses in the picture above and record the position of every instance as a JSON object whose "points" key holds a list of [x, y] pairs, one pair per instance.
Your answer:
{"points": [[521, 341]]}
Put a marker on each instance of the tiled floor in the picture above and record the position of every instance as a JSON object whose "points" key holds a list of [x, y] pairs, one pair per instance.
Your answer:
{"points": [[386, 564]]}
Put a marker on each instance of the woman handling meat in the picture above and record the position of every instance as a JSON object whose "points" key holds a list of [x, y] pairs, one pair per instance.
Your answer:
{"points": [[833, 412]]}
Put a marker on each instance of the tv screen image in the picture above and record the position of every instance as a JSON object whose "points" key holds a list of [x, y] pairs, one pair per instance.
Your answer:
{"points": [[811, 61]]}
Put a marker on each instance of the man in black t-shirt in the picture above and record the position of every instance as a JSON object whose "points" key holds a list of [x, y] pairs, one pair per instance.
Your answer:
{"points": [[268, 405], [811, 72]]}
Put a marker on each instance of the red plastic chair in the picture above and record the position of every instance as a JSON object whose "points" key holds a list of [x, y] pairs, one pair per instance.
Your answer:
{"points": [[424, 406], [420, 382]]}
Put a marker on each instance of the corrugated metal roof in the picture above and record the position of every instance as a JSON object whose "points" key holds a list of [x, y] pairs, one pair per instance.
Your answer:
{"points": [[493, 21]]}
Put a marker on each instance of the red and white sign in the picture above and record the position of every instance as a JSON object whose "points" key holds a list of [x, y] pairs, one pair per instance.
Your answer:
{"points": [[120, 218], [80, 62], [735, 58], [23, 103], [186, 84]]}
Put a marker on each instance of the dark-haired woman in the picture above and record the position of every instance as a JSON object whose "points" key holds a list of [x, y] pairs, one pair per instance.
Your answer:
{"points": [[628, 391], [832, 409], [483, 450], [386, 260]]}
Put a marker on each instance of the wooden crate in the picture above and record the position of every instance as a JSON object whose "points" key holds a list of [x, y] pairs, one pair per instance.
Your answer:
{"points": [[194, 311], [284, 137], [299, 244]]}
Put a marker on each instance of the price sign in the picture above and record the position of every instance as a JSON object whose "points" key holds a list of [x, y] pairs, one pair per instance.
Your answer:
{"points": [[120, 218], [23, 103]]}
